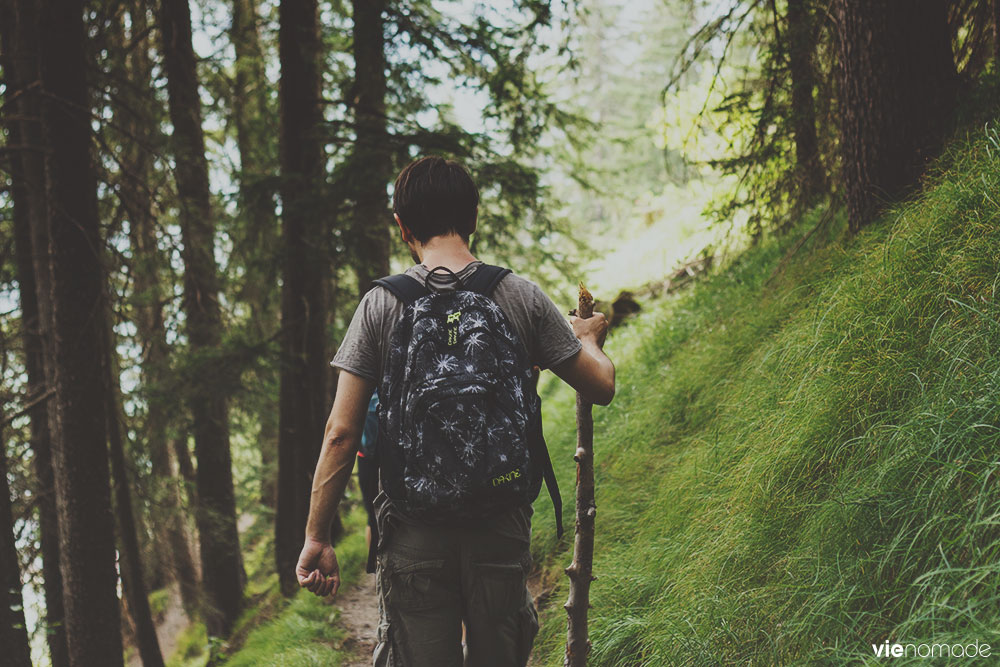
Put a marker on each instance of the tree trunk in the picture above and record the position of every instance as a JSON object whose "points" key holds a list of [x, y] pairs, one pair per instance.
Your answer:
{"points": [[252, 117], [185, 466], [581, 570], [302, 409], [371, 169], [216, 511], [130, 562], [171, 545], [188, 494], [13, 630], [996, 33], [897, 95], [801, 45], [77, 283], [18, 33]]}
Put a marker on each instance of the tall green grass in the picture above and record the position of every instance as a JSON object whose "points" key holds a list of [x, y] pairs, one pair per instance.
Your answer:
{"points": [[794, 470]]}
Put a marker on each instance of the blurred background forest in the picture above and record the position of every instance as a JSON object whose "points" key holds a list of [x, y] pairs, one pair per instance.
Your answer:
{"points": [[195, 193]]}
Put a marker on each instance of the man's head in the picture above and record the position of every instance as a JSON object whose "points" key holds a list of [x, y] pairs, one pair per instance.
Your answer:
{"points": [[435, 197]]}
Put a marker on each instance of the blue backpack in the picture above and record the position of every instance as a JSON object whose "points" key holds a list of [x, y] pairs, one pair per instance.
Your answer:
{"points": [[370, 433], [460, 424]]}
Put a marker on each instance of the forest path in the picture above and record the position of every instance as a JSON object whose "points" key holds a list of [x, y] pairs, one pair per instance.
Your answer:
{"points": [[359, 616]]}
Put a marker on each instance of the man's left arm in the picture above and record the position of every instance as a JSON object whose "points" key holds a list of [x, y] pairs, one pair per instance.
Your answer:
{"points": [[317, 569]]}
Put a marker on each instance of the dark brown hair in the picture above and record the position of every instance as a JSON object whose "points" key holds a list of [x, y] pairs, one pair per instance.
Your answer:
{"points": [[434, 197]]}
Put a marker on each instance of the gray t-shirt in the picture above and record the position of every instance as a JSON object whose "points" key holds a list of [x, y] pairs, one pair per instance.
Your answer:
{"points": [[539, 324]]}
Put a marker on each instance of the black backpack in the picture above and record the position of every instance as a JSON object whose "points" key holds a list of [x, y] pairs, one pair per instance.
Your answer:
{"points": [[460, 424]]}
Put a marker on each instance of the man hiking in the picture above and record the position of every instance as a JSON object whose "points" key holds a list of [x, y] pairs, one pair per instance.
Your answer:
{"points": [[450, 345]]}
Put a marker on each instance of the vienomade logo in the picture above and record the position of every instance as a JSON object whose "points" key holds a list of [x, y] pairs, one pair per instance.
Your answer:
{"points": [[932, 650]]}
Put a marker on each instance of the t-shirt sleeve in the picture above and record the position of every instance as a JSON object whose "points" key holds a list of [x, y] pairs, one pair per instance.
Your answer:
{"points": [[556, 340], [359, 351]]}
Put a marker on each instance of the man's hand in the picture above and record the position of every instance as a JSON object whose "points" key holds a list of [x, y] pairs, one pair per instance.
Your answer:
{"points": [[317, 569], [594, 328], [590, 371]]}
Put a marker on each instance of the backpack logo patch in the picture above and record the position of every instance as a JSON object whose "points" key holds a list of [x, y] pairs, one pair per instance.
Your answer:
{"points": [[507, 477], [452, 327]]}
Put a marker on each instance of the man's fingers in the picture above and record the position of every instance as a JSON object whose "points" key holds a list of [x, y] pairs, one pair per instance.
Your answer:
{"points": [[320, 583], [336, 584]]}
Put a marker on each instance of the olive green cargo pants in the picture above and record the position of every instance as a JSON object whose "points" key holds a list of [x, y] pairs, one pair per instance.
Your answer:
{"points": [[432, 579]]}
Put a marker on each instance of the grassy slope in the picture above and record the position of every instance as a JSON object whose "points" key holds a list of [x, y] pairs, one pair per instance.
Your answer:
{"points": [[793, 471]]}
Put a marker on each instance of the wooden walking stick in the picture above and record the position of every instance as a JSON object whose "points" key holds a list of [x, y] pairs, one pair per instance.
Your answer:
{"points": [[580, 571]]}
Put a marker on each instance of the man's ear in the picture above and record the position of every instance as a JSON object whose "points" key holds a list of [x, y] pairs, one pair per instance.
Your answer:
{"points": [[407, 235]]}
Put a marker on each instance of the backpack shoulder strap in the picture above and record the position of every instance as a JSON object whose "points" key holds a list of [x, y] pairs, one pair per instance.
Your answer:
{"points": [[405, 288], [540, 452], [485, 279]]}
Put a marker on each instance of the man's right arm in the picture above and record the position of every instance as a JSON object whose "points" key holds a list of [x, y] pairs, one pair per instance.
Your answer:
{"points": [[590, 371]]}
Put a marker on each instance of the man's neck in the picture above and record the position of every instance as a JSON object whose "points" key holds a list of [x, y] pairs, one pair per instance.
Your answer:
{"points": [[449, 251]]}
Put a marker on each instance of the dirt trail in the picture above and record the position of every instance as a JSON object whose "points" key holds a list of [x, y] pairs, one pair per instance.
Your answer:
{"points": [[359, 616]]}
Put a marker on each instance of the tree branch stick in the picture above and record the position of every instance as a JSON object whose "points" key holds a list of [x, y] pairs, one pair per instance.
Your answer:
{"points": [[580, 571]]}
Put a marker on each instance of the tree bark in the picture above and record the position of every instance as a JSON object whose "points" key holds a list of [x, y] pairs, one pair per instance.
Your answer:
{"points": [[18, 33], [252, 116], [996, 33], [185, 466], [580, 571], [371, 168], [216, 511], [77, 283], [801, 45], [13, 630], [130, 561], [897, 96], [304, 296]]}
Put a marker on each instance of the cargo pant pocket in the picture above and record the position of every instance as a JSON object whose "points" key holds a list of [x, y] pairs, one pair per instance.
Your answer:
{"points": [[419, 585], [499, 588], [422, 603]]}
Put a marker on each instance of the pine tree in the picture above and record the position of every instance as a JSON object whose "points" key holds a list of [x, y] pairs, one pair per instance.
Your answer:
{"points": [[801, 45], [18, 32], [221, 566], [304, 295], [256, 244], [371, 168], [79, 351], [897, 95], [137, 114], [13, 631]]}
